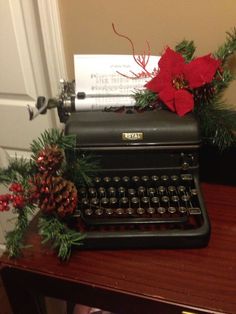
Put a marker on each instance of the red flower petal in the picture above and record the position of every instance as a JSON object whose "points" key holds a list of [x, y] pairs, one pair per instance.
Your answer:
{"points": [[159, 82], [184, 102], [167, 96], [171, 60], [201, 71]]}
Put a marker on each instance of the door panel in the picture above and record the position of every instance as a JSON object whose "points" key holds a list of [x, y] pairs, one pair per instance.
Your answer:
{"points": [[23, 77]]}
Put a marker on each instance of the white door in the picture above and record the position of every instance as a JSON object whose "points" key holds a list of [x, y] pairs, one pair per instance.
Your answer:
{"points": [[31, 64]]}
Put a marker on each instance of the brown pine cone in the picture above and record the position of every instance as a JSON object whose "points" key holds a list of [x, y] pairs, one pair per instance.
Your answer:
{"points": [[50, 159], [54, 194]]}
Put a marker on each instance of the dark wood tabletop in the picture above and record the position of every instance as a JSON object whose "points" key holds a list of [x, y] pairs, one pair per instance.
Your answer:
{"points": [[136, 281]]}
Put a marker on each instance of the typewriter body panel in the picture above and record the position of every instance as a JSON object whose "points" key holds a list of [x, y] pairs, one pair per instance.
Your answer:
{"points": [[146, 194]]}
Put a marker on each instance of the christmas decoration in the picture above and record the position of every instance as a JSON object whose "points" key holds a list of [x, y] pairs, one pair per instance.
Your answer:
{"points": [[44, 183], [184, 83]]}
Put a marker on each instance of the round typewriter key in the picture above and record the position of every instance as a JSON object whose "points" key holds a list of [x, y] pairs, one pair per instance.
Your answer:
{"points": [[140, 210], [112, 191], [141, 190], [116, 179], [131, 192], [182, 210], [145, 179], [101, 192], [151, 191], [161, 210], [175, 198], [185, 198], [161, 189], [124, 202], [109, 211], [135, 179], [171, 210], [125, 179], [181, 188], [97, 180], [92, 192], [120, 211], [113, 201], [88, 211], [104, 201], [164, 178], [145, 201], [85, 201], [99, 211], [194, 192], [174, 178], [121, 191], [107, 179], [94, 201], [150, 210], [171, 188], [155, 200], [129, 211], [165, 199], [155, 178], [135, 202]]}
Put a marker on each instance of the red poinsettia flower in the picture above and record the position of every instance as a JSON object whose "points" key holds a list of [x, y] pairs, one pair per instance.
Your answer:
{"points": [[176, 78]]}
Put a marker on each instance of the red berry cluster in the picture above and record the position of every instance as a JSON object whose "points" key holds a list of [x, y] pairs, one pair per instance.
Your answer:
{"points": [[17, 198]]}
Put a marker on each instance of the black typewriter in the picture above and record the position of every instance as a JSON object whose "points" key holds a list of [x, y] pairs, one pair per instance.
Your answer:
{"points": [[147, 193]]}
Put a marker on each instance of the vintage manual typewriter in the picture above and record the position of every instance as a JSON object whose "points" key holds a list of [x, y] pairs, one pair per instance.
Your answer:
{"points": [[147, 193]]}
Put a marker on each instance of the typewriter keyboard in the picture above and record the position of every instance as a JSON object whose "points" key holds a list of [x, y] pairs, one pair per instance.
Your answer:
{"points": [[145, 199]]}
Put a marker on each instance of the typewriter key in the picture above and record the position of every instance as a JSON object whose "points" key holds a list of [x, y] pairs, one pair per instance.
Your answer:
{"points": [[113, 201], [109, 211], [182, 210], [94, 201], [161, 189], [126, 179], [140, 210], [145, 201], [185, 198], [194, 192], [120, 211], [104, 201], [82, 192], [181, 188], [101, 192], [131, 192], [97, 180], [135, 179], [135, 202], [171, 188], [165, 199], [92, 192], [111, 191], [145, 179], [150, 210], [116, 179], [121, 191], [88, 211], [161, 210], [124, 202], [164, 178], [171, 210], [151, 191], [99, 211], [129, 211], [107, 180], [155, 200], [141, 190], [174, 178], [175, 198], [155, 178]]}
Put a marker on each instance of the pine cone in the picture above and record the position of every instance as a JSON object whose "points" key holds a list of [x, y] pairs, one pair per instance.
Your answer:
{"points": [[204, 93], [54, 194], [50, 159]]}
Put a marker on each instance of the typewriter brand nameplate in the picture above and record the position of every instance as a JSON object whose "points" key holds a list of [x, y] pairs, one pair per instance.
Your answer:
{"points": [[132, 136]]}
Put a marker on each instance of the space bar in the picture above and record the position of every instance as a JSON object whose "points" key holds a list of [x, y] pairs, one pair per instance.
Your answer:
{"points": [[125, 221]]}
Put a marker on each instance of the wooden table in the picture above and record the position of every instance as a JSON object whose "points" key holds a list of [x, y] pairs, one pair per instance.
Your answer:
{"points": [[136, 281]]}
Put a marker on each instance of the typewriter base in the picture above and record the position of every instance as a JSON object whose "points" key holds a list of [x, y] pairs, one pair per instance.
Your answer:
{"points": [[147, 239]]}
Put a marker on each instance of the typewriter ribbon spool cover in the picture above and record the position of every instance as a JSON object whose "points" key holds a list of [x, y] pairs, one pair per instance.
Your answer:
{"points": [[147, 192]]}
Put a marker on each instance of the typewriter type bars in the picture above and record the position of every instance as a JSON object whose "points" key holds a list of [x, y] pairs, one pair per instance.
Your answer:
{"points": [[147, 193]]}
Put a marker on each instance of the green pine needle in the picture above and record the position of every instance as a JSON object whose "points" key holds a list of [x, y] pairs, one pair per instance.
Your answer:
{"points": [[228, 48], [52, 137], [186, 48], [144, 98], [63, 239]]}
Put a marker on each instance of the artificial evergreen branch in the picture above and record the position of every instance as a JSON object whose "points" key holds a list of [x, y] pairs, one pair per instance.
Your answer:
{"points": [[17, 169], [228, 48], [15, 238], [81, 168], [52, 137], [62, 238], [144, 98], [186, 48]]}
